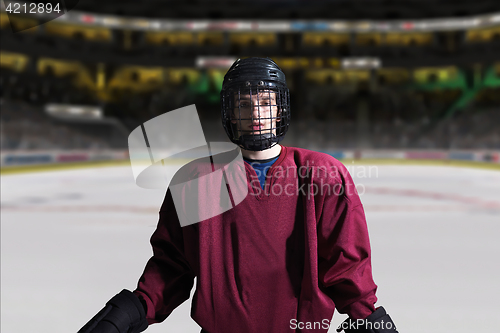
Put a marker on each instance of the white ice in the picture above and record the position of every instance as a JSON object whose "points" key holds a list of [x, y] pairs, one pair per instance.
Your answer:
{"points": [[72, 239]]}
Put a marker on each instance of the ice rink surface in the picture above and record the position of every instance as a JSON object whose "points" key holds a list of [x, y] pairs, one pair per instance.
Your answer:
{"points": [[72, 239]]}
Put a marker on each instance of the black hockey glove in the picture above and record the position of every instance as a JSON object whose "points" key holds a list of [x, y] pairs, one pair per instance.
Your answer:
{"points": [[124, 313], [377, 322]]}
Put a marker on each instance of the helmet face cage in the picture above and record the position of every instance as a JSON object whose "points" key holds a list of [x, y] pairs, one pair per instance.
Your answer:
{"points": [[255, 104], [256, 118]]}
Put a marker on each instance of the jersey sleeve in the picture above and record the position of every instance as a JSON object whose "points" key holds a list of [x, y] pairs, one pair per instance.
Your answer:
{"points": [[168, 278], [344, 255]]}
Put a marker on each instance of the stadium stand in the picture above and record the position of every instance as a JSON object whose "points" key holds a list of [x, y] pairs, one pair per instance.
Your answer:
{"points": [[391, 76]]}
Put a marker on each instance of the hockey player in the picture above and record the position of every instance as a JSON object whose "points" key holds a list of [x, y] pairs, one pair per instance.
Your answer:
{"points": [[284, 258]]}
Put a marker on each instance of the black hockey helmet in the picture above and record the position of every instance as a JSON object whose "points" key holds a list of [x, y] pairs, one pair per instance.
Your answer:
{"points": [[254, 90]]}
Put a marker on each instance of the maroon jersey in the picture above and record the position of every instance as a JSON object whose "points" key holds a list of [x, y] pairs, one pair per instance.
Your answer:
{"points": [[289, 253]]}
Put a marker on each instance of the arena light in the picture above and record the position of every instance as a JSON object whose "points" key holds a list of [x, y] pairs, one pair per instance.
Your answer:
{"points": [[274, 26], [110, 21], [215, 62], [361, 63], [339, 26], [69, 111], [448, 24], [495, 18]]}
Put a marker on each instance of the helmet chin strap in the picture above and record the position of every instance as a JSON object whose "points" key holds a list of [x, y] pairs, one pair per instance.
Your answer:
{"points": [[257, 142]]}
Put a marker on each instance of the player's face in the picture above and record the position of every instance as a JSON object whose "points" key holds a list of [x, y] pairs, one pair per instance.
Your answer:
{"points": [[256, 113]]}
